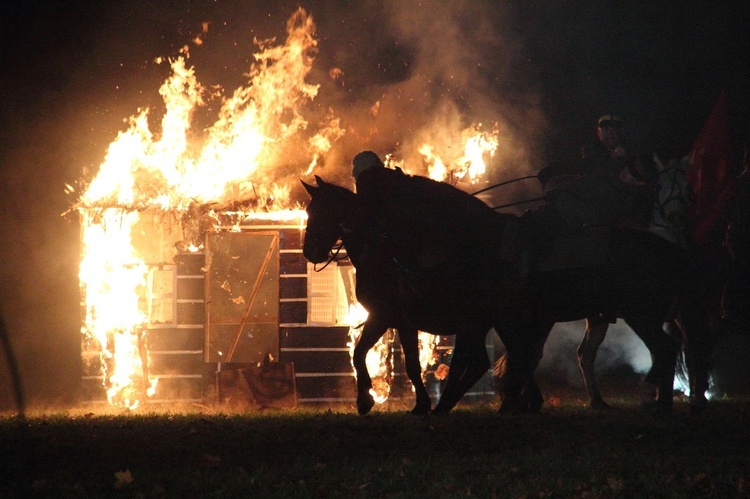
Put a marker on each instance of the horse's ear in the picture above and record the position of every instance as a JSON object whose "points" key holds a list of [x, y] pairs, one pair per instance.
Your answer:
{"points": [[309, 188], [320, 181], [660, 167]]}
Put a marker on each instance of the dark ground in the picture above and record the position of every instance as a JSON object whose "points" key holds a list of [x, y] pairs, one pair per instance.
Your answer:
{"points": [[565, 451]]}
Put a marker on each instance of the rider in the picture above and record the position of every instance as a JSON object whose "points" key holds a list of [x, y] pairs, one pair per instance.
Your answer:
{"points": [[609, 187]]}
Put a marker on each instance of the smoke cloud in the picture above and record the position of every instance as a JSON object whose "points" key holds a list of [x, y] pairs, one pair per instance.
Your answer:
{"points": [[621, 347]]}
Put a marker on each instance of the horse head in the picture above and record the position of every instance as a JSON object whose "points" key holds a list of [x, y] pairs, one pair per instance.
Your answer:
{"points": [[670, 208], [326, 214]]}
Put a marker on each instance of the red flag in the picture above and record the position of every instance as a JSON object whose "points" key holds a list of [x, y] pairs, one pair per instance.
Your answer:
{"points": [[711, 178]]}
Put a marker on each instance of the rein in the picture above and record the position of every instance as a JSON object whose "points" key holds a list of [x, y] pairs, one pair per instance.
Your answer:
{"points": [[333, 256], [502, 184], [508, 205]]}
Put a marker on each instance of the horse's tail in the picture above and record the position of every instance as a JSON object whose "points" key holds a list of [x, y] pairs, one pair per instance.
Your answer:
{"points": [[681, 370]]}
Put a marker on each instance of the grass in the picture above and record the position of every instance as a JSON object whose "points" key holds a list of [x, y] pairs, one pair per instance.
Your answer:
{"points": [[565, 451]]}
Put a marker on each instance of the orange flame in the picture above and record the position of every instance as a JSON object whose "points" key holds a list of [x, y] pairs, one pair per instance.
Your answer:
{"points": [[478, 146]]}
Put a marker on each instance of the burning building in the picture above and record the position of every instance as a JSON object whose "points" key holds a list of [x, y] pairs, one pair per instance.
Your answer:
{"points": [[192, 265]]}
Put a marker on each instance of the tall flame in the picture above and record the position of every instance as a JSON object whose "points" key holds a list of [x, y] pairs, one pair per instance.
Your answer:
{"points": [[114, 317], [245, 143]]}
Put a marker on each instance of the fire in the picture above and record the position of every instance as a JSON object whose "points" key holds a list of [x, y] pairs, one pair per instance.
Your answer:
{"points": [[246, 142], [477, 145], [113, 275], [427, 350], [436, 169]]}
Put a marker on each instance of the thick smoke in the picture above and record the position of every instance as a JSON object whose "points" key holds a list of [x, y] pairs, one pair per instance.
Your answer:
{"points": [[621, 347]]}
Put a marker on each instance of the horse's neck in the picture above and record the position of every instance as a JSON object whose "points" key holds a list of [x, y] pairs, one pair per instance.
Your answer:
{"points": [[356, 236], [355, 247]]}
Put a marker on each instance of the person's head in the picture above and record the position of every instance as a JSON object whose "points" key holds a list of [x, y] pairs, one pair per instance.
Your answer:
{"points": [[608, 130], [364, 160]]}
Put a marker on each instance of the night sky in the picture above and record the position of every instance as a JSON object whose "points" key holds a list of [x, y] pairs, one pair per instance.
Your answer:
{"points": [[73, 71]]}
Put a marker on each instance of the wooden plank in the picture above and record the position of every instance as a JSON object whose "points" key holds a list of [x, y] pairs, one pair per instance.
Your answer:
{"points": [[293, 312], [323, 362], [293, 287], [314, 337]]}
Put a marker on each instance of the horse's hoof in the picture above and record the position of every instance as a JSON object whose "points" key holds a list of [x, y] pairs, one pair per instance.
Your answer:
{"points": [[365, 404], [421, 409], [598, 404], [506, 408], [698, 405], [440, 410], [657, 408]]}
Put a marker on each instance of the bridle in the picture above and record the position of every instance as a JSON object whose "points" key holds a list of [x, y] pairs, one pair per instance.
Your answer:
{"points": [[333, 256], [676, 193], [334, 253]]}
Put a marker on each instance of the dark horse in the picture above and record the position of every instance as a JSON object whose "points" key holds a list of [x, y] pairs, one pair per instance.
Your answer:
{"points": [[636, 276]]}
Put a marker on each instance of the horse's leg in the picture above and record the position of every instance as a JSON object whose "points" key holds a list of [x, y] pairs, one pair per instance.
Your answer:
{"points": [[529, 398], [524, 345], [509, 379], [697, 344], [410, 345], [596, 330], [663, 350], [371, 333], [469, 363], [532, 397]]}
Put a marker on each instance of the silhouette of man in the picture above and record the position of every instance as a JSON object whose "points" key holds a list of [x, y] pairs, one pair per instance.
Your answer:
{"points": [[608, 187]]}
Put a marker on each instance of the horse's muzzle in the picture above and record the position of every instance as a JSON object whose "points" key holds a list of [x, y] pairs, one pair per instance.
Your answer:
{"points": [[312, 257]]}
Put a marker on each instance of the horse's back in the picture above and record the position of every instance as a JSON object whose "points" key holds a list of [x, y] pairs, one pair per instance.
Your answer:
{"points": [[612, 271]]}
